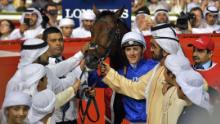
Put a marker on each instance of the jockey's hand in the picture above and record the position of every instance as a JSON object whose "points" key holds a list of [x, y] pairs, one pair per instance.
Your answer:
{"points": [[90, 92], [85, 48], [76, 85], [104, 68]]}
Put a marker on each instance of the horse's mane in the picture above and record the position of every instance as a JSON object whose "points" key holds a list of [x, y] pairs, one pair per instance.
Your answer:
{"points": [[110, 13], [103, 14]]}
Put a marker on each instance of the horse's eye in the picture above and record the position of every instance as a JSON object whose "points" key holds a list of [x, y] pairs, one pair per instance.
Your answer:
{"points": [[93, 46]]}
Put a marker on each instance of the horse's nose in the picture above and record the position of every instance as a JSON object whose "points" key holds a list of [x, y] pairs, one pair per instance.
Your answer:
{"points": [[91, 62]]}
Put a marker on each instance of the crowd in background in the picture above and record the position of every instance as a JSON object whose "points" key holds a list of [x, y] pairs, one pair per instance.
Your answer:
{"points": [[191, 17], [46, 85]]}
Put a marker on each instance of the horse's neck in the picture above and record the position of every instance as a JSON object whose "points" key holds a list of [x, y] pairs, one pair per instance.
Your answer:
{"points": [[116, 63], [116, 60]]}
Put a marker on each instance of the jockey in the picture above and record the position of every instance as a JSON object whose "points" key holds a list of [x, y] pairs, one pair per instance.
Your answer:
{"points": [[133, 45]]}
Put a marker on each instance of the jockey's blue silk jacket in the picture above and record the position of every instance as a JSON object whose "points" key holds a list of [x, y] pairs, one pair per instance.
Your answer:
{"points": [[135, 110]]}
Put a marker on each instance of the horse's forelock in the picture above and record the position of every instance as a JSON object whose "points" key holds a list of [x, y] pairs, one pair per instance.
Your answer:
{"points": [[105, 13]]}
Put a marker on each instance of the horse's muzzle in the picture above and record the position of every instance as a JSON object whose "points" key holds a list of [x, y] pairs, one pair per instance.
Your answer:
{"points": [[91, 62]]}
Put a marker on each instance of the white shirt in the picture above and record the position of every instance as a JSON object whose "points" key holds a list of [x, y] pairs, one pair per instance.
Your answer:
{"points": [[68, 80], [32, 33], [208, 29], [80, 32], [145, 32], [28, 34], [59, 70]]}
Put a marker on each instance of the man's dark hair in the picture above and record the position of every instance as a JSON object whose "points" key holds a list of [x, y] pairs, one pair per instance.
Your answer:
{"points": [[50, 4], [144, 10], [197, 8], [50, 30]]}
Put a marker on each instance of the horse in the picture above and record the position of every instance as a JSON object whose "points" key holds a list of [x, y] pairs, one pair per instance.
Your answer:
{"points": [[106, 35]]}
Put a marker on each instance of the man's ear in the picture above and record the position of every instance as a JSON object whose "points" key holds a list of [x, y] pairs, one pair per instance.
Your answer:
{"points": [[164, 53], [210, 54]]}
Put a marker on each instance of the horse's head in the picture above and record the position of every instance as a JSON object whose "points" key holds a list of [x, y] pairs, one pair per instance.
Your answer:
{"points": [[107, 33]]}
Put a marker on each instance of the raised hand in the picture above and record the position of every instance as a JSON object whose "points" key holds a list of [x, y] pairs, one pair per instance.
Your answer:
{"points": [[104, 68], [76, 85]]}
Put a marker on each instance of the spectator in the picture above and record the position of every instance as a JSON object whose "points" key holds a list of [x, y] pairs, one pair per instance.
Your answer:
{"points": [[15, 108], [198, 22], [174, 102], [40, 4], [66, 25], [5, 6], [194, 20], [35, 51], [176, 6], [28, 57], [192, 4], [206, 3], [6, 27], [42, 108], [155, 4], [211, 17], [44, 104], [137, 4], [172, 105], [86, 21], [22, 6], [161, 15], [30, 27], [68, 112], [203, 49], [143, 21], [51, 11], [191, 88]]}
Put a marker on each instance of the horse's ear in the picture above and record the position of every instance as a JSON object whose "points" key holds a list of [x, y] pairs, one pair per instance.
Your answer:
{"points": [[95, 10], [119, 12]]}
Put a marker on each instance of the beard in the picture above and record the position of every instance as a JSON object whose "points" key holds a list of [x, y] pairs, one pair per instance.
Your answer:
{"points": [[42, 61], [158, 56], [196, 59]]}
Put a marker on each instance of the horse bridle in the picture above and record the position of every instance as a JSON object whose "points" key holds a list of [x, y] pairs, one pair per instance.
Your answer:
{"points": [[94, 46], [114, 34]]}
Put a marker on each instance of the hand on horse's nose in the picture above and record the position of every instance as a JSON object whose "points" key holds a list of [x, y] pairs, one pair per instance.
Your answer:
{"points": [[85, 48], [82, 64]]}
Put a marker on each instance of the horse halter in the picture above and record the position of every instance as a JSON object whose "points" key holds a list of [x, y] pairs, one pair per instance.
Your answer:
{"points": [[92, 60]]}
